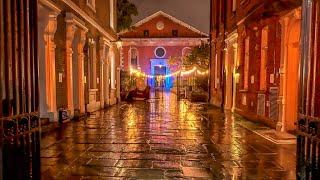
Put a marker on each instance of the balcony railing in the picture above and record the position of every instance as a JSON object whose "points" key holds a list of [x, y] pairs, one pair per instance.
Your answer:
{"points": [[20, 146], [308, 148]]}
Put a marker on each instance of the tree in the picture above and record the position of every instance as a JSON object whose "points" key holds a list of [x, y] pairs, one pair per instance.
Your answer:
{"points": [[199, 56], [174, 62], [125, 11]]}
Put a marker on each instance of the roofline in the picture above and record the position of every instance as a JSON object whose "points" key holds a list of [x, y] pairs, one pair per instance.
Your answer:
{"points": [[192, 28], [165, 39]]}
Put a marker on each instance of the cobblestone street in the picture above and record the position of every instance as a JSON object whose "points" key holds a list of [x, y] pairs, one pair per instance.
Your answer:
{"points": [[162, 139]]}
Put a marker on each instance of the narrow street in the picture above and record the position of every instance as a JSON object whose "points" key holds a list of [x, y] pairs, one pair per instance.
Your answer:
{"points": [[149, 89], [162, 138]]}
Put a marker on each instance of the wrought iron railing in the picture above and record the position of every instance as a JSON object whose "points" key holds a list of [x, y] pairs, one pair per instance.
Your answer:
{"points": [[308, 148], [20, 146]]}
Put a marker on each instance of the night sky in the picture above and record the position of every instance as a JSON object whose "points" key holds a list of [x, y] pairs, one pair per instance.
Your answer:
{"points": [[193, 12]]}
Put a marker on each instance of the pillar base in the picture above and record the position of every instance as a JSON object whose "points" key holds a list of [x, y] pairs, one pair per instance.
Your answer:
{"points": [[113, 98], [279, 126], [53, 116], [93, 106]]}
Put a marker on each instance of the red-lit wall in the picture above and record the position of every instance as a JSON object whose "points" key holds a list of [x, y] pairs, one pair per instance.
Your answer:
{"points": [[145, 53]]}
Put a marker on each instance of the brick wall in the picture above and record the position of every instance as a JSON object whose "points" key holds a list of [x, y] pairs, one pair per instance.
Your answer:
{"points": [[147, 52], [248, 20], [100, 15]]}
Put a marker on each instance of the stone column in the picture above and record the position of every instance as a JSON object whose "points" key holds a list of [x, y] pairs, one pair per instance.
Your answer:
{"points": [[50, 74], [102, 53], [112, 73], [93, 65], [235, 76], [118, 83], [70, 31], [107, 77], [81, 69], [283, 67]]}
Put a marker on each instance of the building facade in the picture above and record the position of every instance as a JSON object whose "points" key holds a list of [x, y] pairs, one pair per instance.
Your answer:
{"points": [[309, 97], [308, 134], [154, 40], [79, 68], [19, 93], [255, 55]]}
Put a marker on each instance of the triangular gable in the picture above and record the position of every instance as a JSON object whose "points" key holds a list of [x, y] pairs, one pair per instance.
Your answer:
{"points": [[171, 18]]}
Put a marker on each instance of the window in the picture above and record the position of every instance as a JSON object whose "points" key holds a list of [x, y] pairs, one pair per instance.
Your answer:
{"points": [[264, 57], [246, 63], [160, 52], [186, 51], [146, 33], [112, 14], [234, 5], [175, 33], [133, 57], [92, 4]]}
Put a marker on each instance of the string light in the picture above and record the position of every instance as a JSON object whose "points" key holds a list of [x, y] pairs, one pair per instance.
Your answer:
{"points": [[203, 73], [139, 73], [184, 73]]}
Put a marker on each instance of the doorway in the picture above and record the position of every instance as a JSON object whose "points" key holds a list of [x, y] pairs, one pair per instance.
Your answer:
{"points": [[293, 56], [230, 69], [159, 71]]}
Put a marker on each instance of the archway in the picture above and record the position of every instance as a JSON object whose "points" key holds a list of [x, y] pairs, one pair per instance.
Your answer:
{"points": [[293, 56], [133, 59]]}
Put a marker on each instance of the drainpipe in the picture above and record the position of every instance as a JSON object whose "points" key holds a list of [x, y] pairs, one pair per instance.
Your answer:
{"points": [[304, 66], [210, 46]]}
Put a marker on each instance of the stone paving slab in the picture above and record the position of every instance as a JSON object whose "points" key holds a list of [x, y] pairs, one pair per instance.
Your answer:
{"points": [[162, 139]]}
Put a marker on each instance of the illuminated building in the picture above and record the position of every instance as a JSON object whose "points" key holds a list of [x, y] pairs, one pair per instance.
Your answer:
{"points": [[255, 59], [153, 40]]}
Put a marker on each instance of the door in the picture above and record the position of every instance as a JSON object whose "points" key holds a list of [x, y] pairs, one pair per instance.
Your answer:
{"points": [[159, 72]]}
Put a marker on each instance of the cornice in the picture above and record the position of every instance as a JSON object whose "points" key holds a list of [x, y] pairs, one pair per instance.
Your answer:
{"points": [[89, 19], [147, 19], [50, 5], [70, 17], [167, 42], [164, 39]]}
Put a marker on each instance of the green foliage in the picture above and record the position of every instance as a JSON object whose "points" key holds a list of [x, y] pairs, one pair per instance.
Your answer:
{"points": [[174, 62], [202, 83], [199, 56], [125, 11], [127, 82]]}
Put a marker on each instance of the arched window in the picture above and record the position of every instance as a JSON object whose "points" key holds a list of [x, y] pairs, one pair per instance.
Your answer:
{"points": [[186, 51], [133, 57]]}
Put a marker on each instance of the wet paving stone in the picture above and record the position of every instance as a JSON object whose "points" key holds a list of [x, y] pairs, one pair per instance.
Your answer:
{"points": [[162, 139]]}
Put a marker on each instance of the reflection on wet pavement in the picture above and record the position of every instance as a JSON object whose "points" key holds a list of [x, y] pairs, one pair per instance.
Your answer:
{"points": [[162, 139]]}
